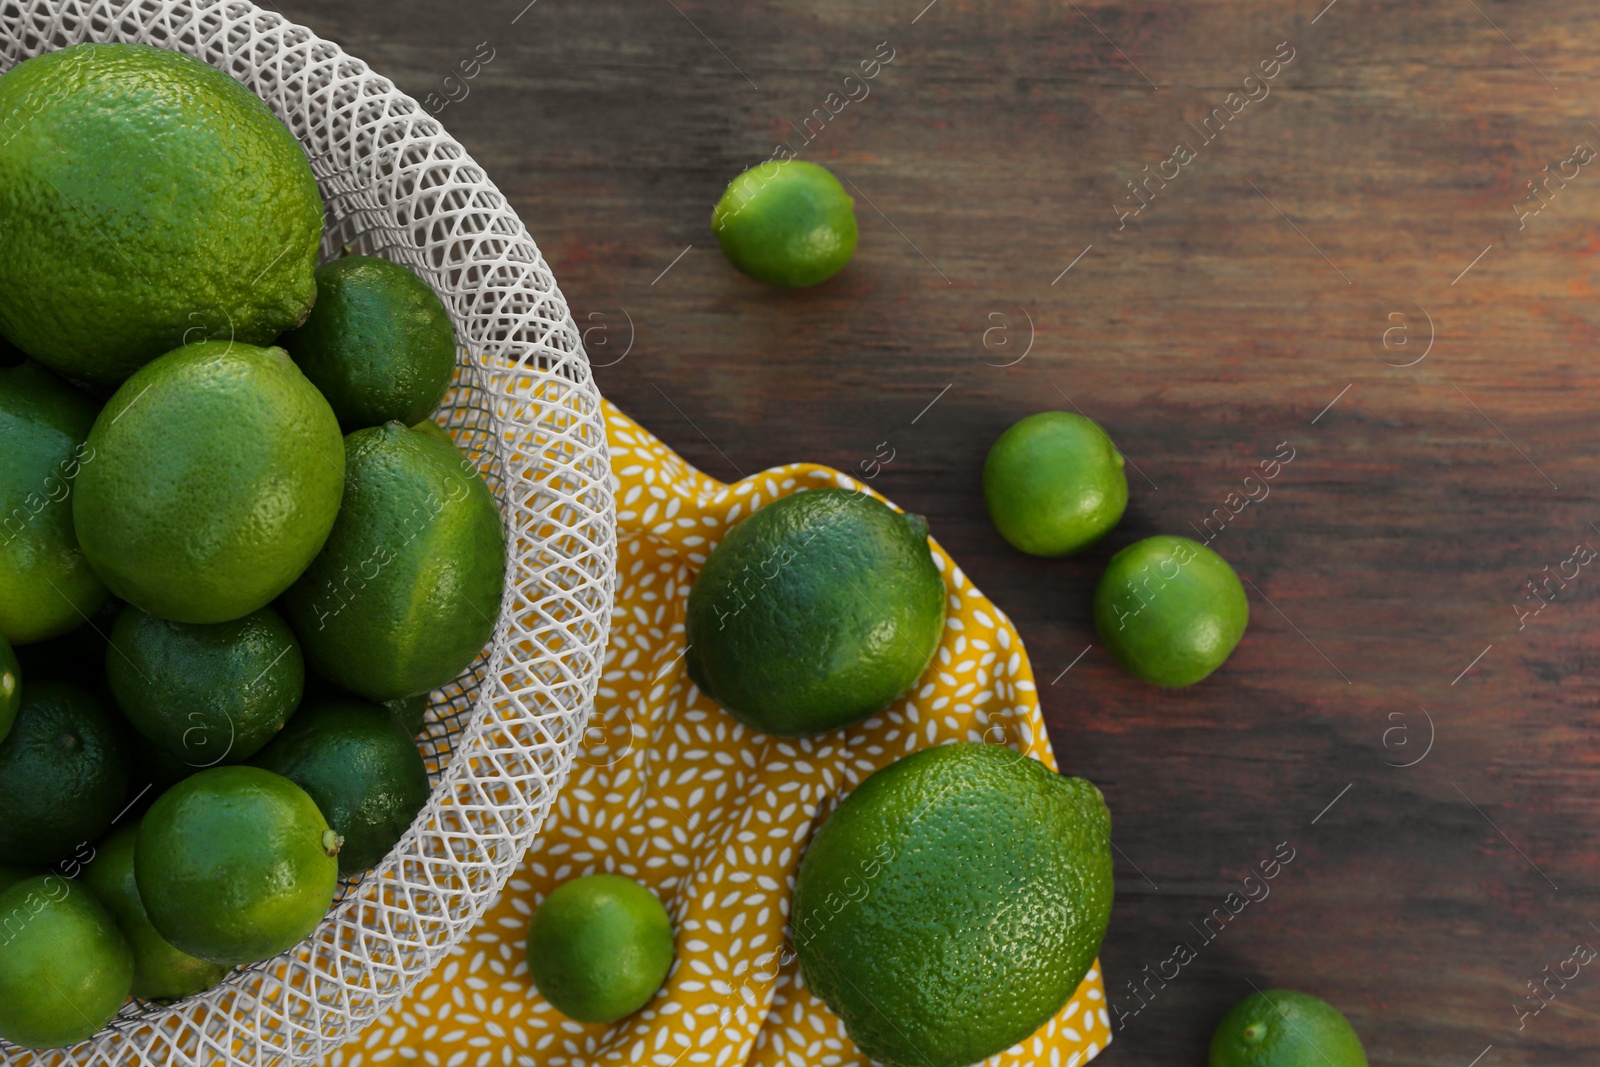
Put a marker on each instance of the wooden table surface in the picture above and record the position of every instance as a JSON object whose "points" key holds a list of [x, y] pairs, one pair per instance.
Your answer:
{"points": [[1348, 264]]}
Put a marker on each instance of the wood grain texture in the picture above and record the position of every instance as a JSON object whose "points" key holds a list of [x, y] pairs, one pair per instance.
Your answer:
{"points": [[1251, 292]]}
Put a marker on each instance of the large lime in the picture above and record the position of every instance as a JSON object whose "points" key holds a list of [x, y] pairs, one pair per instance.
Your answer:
{"points": [[816, 611], [786, 223], [1054, 483], [235, 864], [599, 947], [146, 200], [1170, 610], [46, 584], [65, 970], [406, 592], [10, 687], [160, 972], [217, 474], [953, 902], [1283, 1028], [206, 693], [360, 766], [379, 343], [63, 774]]}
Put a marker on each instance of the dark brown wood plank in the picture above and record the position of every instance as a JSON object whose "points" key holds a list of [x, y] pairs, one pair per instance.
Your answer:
{"points": [[1247, 296]]}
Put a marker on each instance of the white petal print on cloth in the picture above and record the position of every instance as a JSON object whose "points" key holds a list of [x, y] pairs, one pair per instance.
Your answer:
{"points": [[713, 817]]}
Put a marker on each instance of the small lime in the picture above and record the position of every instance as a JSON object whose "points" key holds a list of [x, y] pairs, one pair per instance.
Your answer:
{"points": [[362, 768], [235, 864], [63, 774], [599, 947], [66, 969], [46, 584], [1283, 1028], [1170, 610], [1054, 483], [816, 611], [206, 693], [787, 223], [160, 972], [217, 474], [10, 687], [379, 343]]}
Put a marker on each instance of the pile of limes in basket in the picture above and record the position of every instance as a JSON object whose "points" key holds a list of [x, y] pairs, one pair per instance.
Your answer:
{"points": [[236, 556]]}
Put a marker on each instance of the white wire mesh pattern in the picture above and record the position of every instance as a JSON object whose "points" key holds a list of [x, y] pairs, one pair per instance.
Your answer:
{"points": [[501, 738]]}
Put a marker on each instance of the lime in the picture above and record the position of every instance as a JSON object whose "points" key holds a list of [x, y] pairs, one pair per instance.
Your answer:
{"points": [[1283, 1028], [149, 200], [815, 611], [206, 693], [406, 592], [46, 584], [63, 774], [361, 767], [410, 712], [10, 687], [786, 223], [1054, 484], [1170, 610], [599, 947], [379, 343], [235, 864], [953, 902], [160, 972], [433, 429], [65, 971], [217, 475]]}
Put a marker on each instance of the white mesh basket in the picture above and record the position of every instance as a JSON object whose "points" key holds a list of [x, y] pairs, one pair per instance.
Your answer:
{"points": [[500, 739]]}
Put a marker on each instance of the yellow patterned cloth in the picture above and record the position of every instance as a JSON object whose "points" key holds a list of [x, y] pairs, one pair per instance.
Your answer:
{"points": [[713, 817]]}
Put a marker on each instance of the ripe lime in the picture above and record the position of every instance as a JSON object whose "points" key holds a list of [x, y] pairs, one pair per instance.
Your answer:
{"points": [[786, 223], [151, 200], [816, 611], [1054, 484], [217, 474], [235, 864], [62, 774], [65, 970], [10, 687], [160, 972], [1283, 1028], [599, 947], [360, 766], [206, 693], [1170, 610], [379, 343], [46, 584], [407, 590], [953, 902]]}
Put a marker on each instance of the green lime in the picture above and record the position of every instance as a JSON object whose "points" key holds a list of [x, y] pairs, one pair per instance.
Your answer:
{"points": [[10, 687], [1170, 610], [66, 969], [150, 201], [361, 767], [816, 611], [786, 223], [206, 693], [599, 947], [236, 864], [406, 592], [160, 972], [1283, 1028], [46, 585], [410, 712], [63, 774], [379, 343], [433, 429], [953, 902], [217, 474], [1054, 484]]}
